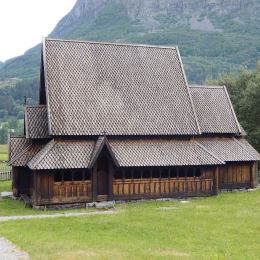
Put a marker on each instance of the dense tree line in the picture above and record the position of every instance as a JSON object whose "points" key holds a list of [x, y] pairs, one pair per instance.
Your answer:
{"points": [[244, 90]]}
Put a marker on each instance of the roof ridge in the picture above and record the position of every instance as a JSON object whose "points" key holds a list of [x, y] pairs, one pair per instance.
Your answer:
{"points": [[30, 106], [233, 111], [206, 86], [18, 136], [112, 43], [33, 164], [212, 154]]}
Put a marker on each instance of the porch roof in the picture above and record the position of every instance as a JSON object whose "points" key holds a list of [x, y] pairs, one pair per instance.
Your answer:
{"points": [[159, 152], [58, 154]]}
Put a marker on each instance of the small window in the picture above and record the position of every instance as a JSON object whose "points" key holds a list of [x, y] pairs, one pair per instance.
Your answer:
{"points": [[198, 172], [58, 177], [156, 173], [67, 176], [128, 174], [136, 174], [182, 172], [165, 173], [190, 172], [87, 175], [174, 172], [146, 173], [118, 175], [78, 176]]}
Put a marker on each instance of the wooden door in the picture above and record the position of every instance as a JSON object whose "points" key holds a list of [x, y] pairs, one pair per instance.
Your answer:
{"points": [[102, 181], [102, 174]]}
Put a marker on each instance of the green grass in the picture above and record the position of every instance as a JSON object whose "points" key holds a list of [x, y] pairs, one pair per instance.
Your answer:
{"points": [[3, 152], [223, 227], [5, 186]]}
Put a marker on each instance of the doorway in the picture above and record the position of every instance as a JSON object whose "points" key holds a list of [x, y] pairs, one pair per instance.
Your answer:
{"points": [[102, 176]]}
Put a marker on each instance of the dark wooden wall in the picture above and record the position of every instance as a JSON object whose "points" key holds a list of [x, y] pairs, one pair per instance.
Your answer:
{"points": [[237, 175], [46, 187], [164, 184], [49, 191], [22, 181]]}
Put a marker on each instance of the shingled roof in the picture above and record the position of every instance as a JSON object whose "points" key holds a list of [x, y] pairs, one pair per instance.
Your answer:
{"points": [[161, 152], [26, 155], [119, 89], [60, 154], [36, 121], [230, 149], [17, 145], [214, 110]]}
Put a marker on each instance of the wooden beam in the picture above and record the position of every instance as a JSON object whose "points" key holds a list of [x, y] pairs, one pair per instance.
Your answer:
{"points": [[94, 183], [111, 172]]}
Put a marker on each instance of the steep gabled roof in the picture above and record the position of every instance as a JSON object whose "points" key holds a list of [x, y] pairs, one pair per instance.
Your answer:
{"points": [[214, 110], [101, 143], [36, 121], [119, 89]]}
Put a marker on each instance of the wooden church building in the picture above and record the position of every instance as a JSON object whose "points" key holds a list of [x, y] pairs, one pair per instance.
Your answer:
{"points": [[119, 122]]}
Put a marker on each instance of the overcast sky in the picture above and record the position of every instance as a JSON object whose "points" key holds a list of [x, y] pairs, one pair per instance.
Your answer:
{"points": [[23, 23]]}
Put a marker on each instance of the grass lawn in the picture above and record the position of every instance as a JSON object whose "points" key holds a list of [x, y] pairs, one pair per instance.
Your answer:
{"points": [[3, 152], [223, 227]]}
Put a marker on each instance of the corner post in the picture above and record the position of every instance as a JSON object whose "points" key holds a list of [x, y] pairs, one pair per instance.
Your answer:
{"points": [[94, 183], [216, 180]]}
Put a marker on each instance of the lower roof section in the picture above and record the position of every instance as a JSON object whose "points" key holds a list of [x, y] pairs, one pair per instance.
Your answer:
{"points": [[63, 155], [125, 153], [22, 150], [162, 152], [73, 154], [230, 149], [16, 145]]}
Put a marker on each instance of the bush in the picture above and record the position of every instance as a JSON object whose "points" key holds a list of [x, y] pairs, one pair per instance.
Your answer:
{"points": [[3, 113]]}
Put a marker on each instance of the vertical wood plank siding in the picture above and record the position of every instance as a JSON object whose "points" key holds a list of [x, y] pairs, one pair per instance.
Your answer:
{"points": [[164, 186], [49, 192], [237, 175], [136, 188]]}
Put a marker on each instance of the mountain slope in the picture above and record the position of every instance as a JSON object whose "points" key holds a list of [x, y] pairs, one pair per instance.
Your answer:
{"points": [[214, 36]]}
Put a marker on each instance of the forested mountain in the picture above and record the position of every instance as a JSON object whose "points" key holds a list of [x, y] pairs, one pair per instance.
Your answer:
{"points": [[214, 37]]}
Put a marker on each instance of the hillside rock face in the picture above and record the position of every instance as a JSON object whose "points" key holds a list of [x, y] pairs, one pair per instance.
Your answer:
{"points": [[140, 9], [214, 36], [147, 11]]}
